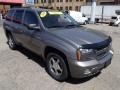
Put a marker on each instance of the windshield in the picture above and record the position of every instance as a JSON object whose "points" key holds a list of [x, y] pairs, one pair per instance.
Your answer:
{"points": [[54, 19]]}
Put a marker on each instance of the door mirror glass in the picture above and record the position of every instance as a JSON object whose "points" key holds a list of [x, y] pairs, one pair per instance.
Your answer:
{"points": [[33, 27]]}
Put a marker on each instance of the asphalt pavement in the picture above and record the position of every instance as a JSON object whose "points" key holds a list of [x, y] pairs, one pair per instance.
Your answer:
{"points": [[1, 22], [24, 70]]}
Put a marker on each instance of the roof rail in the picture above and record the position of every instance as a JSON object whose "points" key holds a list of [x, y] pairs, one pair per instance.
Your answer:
{"points": [[45, 7], [29, 6], [33, 6]]}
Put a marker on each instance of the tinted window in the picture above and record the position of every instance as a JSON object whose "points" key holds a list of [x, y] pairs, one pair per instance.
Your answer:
{"points": [[9, 14], [18, 16], [30, 18]]}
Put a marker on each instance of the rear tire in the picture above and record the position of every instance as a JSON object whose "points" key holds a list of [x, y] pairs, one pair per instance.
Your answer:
{"points": [[85, 22], [11, 42], [56, 67]]}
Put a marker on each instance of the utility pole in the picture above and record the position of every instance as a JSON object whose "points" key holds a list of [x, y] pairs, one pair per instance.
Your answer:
{"points": [[93, 7]]}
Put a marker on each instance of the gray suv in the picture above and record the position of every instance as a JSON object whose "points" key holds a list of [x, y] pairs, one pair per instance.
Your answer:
{"points": [[67, 48]]}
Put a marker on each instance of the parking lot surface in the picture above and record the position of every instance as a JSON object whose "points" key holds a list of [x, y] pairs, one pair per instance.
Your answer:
{"points": [[24, 70]]}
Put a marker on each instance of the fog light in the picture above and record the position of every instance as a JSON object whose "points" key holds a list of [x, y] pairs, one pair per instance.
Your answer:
{"points": [[87, 71]]}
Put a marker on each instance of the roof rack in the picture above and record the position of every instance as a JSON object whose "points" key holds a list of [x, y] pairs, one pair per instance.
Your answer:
{"points": [[45, 7], [29, 6], [33, 6]]}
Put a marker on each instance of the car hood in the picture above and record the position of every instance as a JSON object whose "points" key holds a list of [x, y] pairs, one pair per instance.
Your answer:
{"points": [[80, 36]]}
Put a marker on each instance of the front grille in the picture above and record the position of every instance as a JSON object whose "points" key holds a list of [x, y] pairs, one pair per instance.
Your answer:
{"points": [[102, 53]]}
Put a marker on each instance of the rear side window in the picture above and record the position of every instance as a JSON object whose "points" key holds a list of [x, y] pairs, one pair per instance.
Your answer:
{"points": [[18, 16], [9, 15]]}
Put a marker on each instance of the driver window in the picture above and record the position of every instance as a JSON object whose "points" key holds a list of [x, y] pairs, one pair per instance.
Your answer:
{"points": [[30, 18]]}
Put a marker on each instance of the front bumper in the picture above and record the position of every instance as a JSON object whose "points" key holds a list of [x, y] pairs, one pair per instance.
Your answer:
{"points": [[87, 68]]}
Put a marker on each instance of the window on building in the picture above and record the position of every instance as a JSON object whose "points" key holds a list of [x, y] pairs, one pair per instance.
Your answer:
{"points": [[70, 7], [57, 8], [57, 0], [43, 1], [66, 8], [18, 16], [51, 7], [35, 1], [70, 0], [77, 8], [52, 0], [49, 1], [81, 0], [61, 0], [66, 0], [77, 0], [61, 8]]}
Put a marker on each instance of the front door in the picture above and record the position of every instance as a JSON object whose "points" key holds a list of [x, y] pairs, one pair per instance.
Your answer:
{"points": [[31, 37]]}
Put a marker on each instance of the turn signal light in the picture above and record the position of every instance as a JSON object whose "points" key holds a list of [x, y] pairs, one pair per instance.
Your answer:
{"points": [[78, 54]]}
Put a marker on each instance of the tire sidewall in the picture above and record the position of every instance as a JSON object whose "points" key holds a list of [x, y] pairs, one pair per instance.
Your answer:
{"points": [[64, 75]]}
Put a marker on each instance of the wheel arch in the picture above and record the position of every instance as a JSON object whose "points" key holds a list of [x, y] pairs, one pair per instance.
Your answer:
{"points": [[7, 33], [49, 49]]}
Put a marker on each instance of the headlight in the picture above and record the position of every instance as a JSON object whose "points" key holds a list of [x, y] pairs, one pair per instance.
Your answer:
{"points": [[80, 52], [85, 51]]}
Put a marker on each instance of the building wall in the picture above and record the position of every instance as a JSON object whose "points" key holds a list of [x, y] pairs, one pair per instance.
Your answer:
{"points": [[65, 4], [5, 5], [117, 2]]}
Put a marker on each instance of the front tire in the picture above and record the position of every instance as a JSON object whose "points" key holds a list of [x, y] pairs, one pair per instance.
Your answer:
{"points": [[56, 67]]}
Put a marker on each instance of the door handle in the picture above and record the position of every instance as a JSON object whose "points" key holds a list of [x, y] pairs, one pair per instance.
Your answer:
{"points": [[37, 37]]}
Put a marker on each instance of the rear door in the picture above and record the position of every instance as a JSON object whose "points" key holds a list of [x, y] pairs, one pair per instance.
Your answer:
{"points": [[8, 24], [17, 25]]}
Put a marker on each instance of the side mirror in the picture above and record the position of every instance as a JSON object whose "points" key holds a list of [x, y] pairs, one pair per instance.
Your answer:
{"points": [[33, 27]]}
